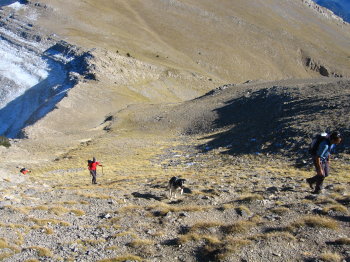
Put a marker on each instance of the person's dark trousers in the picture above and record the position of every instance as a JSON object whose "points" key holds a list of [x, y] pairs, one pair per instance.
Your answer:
{"points": [[318, 179], [93, 174]]}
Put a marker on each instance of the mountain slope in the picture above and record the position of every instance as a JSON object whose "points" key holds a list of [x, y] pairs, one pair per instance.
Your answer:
{"points": [[231, 41]]}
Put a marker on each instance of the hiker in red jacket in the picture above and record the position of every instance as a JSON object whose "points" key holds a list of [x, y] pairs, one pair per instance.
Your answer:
{"points": [[92, 168], [25, 171]]}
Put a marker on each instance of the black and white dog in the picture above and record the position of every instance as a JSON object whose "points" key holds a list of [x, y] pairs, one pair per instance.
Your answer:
{"points": [[176, 183]]}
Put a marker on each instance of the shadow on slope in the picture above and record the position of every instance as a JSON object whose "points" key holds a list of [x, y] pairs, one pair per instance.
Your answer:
{"points": [[39, 100], [281, 119]]}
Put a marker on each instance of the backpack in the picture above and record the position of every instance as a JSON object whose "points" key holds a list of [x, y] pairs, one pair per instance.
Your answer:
{"points": [[315, 143]]}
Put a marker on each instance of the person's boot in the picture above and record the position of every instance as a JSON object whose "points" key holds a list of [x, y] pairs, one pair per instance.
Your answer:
{"points": [[317, 191], [318, 188], [310, 182]]}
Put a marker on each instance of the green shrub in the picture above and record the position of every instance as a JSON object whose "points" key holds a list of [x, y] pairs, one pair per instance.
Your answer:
{"points": [[4, 141]]}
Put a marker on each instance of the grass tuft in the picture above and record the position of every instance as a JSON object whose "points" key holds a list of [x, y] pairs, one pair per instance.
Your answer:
{"points": [[219, 251], [122, 259], [44, 222], [343, 241], [243, 209], [197, 237], [280, 210], [3, 243], [238, 227], [140, 243], [77, 212], [330, 257], [91, 242], [335, 208], [250, 198], [316, 221], [42, 251], [5, 255]]}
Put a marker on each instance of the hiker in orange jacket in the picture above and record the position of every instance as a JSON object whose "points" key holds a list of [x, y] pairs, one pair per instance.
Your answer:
{"points": [[92, 168]]}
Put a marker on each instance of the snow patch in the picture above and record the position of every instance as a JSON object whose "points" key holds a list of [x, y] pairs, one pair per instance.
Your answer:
{"points": [[17, 6], [19, 70]]}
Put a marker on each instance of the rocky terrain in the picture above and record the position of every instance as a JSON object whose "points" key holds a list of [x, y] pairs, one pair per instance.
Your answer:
{"points": [[166, 90]]}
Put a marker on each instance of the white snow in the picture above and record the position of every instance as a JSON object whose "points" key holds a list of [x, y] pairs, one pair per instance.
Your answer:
{"points": [[31, 84], [17, 6], [20, 67]]}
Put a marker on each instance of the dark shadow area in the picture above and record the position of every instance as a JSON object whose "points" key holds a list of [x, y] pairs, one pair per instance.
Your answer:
{"points": [[208, 253], [279, 120], [275, 229], [310, 259], [170, 242], [187, 190], [175, 202], [42, 98], [35, 102], [146, 196], [342, 218], [344, 201], [9, 2]]}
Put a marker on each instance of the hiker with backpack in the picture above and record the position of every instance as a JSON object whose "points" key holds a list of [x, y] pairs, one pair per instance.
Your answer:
{"points": [[24, 171], [320, 149], [92, 164]]}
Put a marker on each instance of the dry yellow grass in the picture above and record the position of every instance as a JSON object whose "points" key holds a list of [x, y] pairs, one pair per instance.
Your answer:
{"points": [[126, 233], [44, 222], [226, 206], [95, 195], [162, 208], [279, 210], [5, 255], [42, 208], [136, 243], [316, 221], [90, 242], [129, 209], [3, 243], [325, 201], [197, 237], [20, 238], [123, 258], [219, 251], [58, 210], [242, 208], [77, 212], [339, 188], [250, 197], [336, 208], [238, 227], [42, 251], [343, 241], [45, 230], [331, 257]]}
